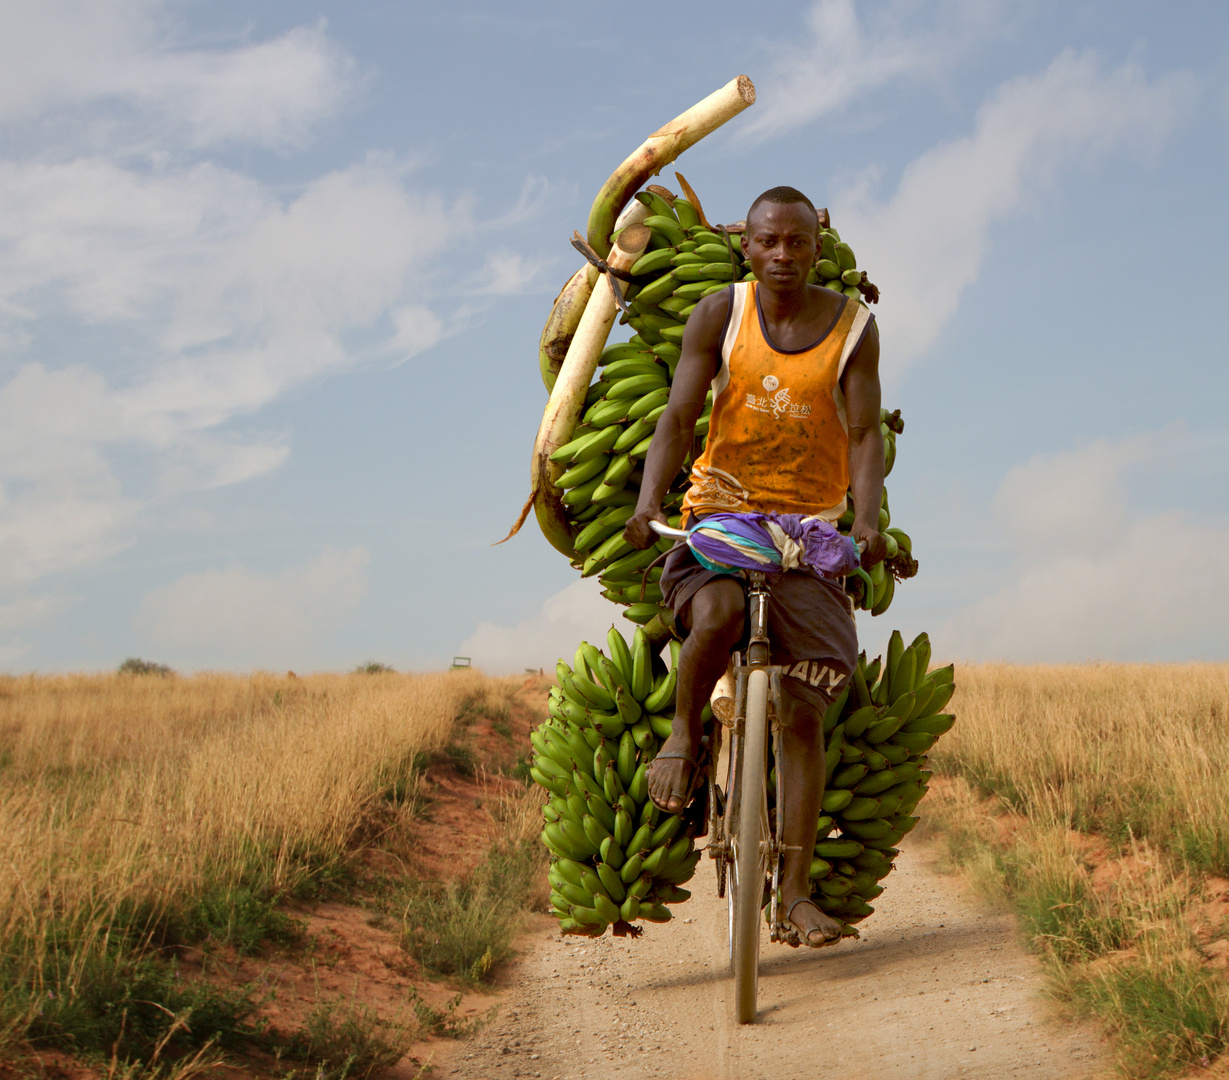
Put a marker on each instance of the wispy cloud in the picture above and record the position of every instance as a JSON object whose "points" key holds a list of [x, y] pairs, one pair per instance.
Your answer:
{"points": [[578, 612], [238, 617], [1089, 576], [152, 299], [116, 70], [509, 273], [847, 52], [925, 244]]}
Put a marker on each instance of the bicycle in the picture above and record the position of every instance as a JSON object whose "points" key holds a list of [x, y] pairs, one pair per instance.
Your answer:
{"points": [[745, 842]]}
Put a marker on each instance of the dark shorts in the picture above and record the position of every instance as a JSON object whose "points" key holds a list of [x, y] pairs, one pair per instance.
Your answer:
{"points": [[810, 623]]}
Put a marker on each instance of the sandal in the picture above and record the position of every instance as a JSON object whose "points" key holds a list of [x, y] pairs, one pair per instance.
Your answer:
{"points": [[805, 936]]}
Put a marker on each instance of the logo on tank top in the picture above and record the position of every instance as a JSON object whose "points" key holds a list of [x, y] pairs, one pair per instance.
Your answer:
{"points": [[715, 487], [776, 401]]}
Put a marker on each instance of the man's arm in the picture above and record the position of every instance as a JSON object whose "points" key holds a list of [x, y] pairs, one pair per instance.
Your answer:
{"points": [[701, 352], [860, 383]]}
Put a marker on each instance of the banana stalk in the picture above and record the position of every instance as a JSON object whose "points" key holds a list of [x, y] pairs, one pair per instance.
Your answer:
{"points": [[568, 394], [661, 148], [564, 318]]}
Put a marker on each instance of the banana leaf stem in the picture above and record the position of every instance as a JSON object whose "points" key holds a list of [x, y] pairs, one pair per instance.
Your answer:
{"points": [[661, 148]]}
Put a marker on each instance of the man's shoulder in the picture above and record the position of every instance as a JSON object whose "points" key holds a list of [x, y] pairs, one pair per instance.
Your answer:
{"points": [[710, 313]]}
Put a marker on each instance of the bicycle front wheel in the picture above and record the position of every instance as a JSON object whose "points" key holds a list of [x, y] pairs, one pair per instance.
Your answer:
{"points": [[751, 845]]}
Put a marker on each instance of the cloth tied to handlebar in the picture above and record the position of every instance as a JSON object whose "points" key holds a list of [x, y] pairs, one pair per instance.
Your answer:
{"points": [[727, 543]]}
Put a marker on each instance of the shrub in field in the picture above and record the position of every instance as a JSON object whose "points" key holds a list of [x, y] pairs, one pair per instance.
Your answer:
{"points": [[135, 666]]}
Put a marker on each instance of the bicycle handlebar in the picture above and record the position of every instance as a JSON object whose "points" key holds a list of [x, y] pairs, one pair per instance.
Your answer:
{"points": [[663, 529]]}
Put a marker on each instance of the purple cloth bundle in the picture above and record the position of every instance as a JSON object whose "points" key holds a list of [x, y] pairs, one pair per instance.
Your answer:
{"points": [[771, 542]]}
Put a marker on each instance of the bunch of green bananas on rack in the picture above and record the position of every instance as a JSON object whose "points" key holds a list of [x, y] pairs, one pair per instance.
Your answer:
{"points": [[603, 462], [877, 731], [617, 857]]}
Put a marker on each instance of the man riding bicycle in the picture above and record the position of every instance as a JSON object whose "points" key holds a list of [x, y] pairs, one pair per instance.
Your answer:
{"points": [[794, 370]]}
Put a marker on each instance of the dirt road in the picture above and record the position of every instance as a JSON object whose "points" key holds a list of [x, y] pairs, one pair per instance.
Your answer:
{"points": [[937, 988]]}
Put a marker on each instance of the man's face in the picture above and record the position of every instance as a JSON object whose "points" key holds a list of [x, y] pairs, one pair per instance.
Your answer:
{"points": [[780, 243]]}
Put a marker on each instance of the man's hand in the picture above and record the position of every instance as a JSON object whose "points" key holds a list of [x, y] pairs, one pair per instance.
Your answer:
{"points": [[637, 531], [876, 548]]}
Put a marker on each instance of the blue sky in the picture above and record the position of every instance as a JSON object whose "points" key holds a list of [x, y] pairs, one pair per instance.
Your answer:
{"points": [[272, 277]]}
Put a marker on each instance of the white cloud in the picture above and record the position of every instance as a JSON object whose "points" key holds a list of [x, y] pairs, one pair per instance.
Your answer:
{"points": [[117, 66], [577, 613], [509, 273], [926, 244], [843, 57], [225, 297], [241, 618], [1091, 577]]}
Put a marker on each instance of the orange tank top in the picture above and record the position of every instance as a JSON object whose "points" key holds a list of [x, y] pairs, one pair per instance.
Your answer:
{"points": [[778, 439]]}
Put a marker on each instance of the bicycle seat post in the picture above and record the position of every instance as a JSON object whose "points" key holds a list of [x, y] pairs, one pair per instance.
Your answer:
{"points": [[757, 602]]}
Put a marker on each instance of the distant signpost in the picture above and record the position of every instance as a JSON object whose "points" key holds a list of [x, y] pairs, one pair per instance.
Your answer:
{"points": [[460, 662]]}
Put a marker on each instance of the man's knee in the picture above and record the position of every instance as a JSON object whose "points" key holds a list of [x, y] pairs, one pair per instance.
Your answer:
{"points": [[717, 612]]}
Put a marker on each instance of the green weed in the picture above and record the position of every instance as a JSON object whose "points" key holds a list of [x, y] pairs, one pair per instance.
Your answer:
{"points": [[344, 1040], [465, 928], [1166, 1009]]}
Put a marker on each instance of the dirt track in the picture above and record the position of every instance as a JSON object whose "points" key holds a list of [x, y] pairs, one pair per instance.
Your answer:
{"points": [[937, 988]]}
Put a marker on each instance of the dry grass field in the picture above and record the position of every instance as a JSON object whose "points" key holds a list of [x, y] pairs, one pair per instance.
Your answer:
{"points": [[1096, 799], [144, 814], [149, 818]]}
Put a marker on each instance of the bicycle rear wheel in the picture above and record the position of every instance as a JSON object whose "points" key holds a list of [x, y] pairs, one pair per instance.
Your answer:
{"points": [[751, 844]]}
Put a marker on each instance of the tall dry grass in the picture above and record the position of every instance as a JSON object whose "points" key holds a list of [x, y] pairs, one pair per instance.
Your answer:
{"points": [[1127, 751], [1095, 799], [127, 802]]}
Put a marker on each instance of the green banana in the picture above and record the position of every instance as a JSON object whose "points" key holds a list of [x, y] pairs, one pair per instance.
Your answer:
{"points": [[640, 839], [642, 733], [586, 470], [657, 205], [631, 868], [648, 403], [651, 262], [709, 271], [624, 827], [641, 682], [687, 215], [611, 882], [930, 725], [663, 691], [667, 226], [626, 762]]}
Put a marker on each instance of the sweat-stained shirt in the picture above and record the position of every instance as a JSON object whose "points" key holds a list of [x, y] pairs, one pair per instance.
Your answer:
{"points": [[778, 438]]}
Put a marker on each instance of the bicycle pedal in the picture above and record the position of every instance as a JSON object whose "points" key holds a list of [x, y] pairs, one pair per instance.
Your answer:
{"points": [[695, 814]]}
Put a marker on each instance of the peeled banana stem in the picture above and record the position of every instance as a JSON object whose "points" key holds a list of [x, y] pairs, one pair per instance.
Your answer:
{"points": [[564, 318], [661, 148], [567, 397]]}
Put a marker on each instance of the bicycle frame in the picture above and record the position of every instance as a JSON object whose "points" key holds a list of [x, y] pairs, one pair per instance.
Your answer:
{"points": [[755, 658]]}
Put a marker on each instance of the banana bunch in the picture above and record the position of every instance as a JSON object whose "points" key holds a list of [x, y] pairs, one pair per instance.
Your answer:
{"points": [[602, 464], [617, 857], [877, 734]]}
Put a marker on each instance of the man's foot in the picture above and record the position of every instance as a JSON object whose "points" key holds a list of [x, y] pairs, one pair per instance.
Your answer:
{"points": [[672, 774], [814, 927]]}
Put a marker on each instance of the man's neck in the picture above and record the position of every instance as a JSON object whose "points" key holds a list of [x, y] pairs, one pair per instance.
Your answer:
{"points": [[786, 306]]}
